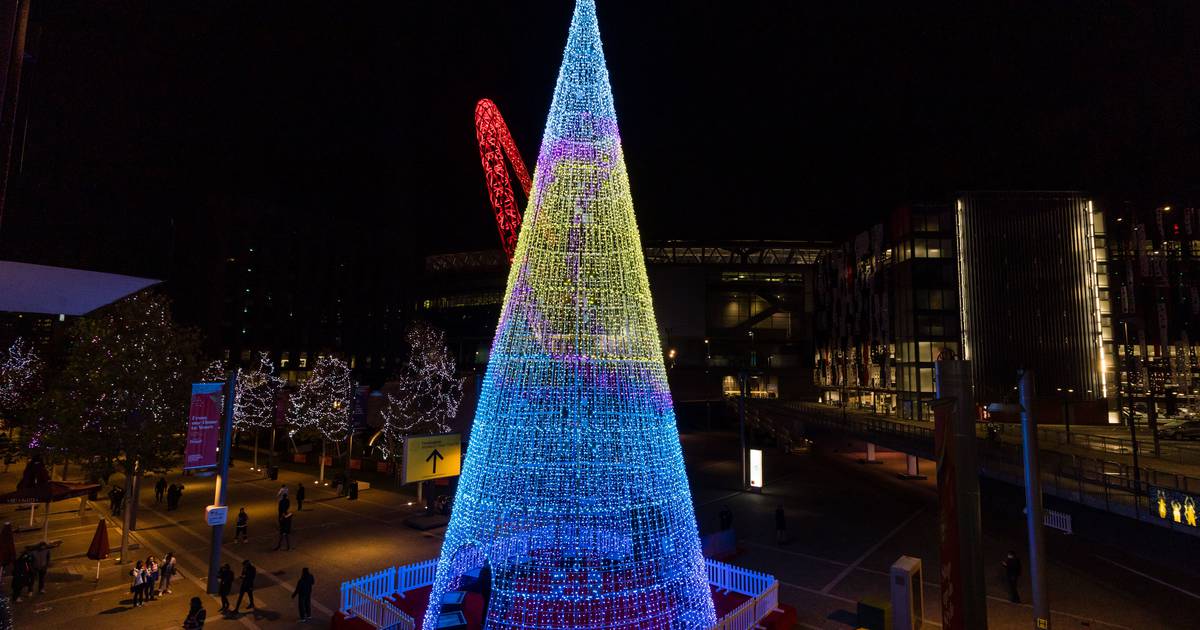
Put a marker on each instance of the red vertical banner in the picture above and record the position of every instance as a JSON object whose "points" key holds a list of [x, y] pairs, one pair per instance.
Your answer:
{"points": [[953, 617], [204, 426]]}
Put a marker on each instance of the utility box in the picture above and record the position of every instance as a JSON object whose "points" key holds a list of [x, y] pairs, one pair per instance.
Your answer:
{"points": [[908, 598]]}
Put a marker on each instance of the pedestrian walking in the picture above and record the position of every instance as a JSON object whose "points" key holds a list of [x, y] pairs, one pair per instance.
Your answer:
{"points": [[152, 569], [166, 572], [224, 585], [160, 487], [239, 532], [174, 494], [285, 531], [41, 563], [281, 492], [284, 504], [781, 537], [300, 496], [726, 518], [137, 587], [22, 574], [303, 594], [249, 572], [1012, 573], [113, 501], [196, 615]]}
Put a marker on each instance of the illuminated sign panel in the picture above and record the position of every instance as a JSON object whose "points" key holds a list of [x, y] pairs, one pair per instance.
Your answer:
{"points": [[756, 468], [432, 457]]}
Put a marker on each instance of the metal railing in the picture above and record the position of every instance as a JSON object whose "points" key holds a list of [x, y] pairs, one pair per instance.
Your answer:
{"points": [[1094, 481], [366, 597], [1115, 444]]}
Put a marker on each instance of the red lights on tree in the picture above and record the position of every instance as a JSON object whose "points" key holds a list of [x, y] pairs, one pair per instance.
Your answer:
{"points": [[495, 144]]}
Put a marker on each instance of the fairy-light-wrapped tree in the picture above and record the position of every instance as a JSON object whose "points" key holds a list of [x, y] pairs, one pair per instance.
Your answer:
{"points": [[573, 490]]}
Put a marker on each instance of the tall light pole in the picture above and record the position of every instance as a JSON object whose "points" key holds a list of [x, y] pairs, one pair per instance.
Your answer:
{"points": [[1033, 502]]}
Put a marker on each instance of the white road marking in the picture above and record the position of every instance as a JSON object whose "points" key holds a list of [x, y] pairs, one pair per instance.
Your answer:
{"points": [[775, 549], [866, 554], [1151, 578]]}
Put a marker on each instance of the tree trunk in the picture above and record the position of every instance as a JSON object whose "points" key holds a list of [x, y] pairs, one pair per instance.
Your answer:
{"points": [[132, 500], [125, 517], [256, 448], [322, 477]]}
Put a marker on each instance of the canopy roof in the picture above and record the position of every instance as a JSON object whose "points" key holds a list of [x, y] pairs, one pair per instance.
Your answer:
{"points": [[26, 288]]}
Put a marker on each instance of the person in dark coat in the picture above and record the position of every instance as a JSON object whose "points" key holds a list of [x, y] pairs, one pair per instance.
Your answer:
{"points": [[303, 593], [300, 496], [160, 487], [196, 615], [22, 574], [284, 504], [1012, 573], [41, 564], [249, 572], [243, 522], [285, 531], [780, 526], [224, 585], [726, 518]]}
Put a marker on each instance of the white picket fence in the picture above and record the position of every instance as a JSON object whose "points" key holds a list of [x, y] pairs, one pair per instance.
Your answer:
{"points": [[378, 612], [761, 588], [366, 597], [1057, 520]]}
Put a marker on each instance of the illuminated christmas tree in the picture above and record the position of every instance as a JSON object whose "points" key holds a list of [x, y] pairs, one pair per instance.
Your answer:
{"points": [[573, 490], [254, 402]]}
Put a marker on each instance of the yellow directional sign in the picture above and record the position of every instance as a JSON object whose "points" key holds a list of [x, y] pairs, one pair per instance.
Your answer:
{"points": [[432, 456]]}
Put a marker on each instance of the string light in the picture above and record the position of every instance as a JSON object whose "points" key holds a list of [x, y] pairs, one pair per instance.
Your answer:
{"points": [[254, 402], [430, 391], [322, 403], [573, 489], [19, 367]]}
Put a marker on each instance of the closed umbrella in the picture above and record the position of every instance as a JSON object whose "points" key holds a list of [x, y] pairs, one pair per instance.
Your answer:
{"points": [[98, 550]]}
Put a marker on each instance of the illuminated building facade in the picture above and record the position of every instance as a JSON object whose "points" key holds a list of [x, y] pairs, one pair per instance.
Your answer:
{"points": [[1032, 276], [1154, 270], [573, 491], [887, 306], [723, 307]]}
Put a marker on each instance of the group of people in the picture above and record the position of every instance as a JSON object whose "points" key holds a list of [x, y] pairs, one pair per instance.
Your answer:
{"points": [[173, 492], [302, 592], [150, 579], [30, 568]]}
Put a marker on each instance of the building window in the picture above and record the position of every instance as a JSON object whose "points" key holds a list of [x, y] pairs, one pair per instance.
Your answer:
{"points": [[284, 359]]}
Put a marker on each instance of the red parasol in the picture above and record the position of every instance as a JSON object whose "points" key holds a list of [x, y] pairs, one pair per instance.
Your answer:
{"points": [[99, 547]]}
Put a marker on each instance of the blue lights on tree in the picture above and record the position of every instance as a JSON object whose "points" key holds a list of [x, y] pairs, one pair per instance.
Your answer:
{"points": [[573, 490]]}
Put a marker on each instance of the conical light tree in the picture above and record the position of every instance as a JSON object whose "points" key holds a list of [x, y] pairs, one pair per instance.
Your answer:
{"points": [[573, 490]]}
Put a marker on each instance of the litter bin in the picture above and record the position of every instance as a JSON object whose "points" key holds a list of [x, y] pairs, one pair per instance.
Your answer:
{"points": [[874, 614], [352, 494], [273, 473]]}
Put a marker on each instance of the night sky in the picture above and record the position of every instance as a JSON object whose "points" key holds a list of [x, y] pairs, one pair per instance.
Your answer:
{"points": [[752, 119]]}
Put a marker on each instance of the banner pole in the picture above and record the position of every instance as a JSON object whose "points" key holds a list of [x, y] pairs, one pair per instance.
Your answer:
{"points": [[218, 531]]}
